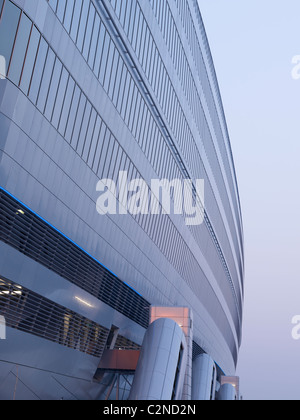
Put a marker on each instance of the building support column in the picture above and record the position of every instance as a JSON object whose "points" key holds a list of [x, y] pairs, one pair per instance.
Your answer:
{"points": [[227, 393], [161, 368], [184, 318], [204, 378]]}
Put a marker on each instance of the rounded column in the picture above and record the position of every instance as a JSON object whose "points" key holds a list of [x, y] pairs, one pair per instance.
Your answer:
{"points": [[204, 378], [162, 364], [227, 393]]}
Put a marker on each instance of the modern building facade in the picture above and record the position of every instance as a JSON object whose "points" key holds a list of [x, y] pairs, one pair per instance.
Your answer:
{"points": [[88, 89]]}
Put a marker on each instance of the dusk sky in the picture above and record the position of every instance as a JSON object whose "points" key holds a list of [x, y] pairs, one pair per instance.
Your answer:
{"points": [[253, 43]]}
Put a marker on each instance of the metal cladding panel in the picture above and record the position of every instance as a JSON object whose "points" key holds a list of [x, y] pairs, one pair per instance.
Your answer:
{"points": [[92, 88]]}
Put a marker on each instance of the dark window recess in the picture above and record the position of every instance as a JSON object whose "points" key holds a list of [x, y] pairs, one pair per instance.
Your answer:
{"points": [[175, 386], [125, 344], [33, 237], [31, 313], [197, 350]]}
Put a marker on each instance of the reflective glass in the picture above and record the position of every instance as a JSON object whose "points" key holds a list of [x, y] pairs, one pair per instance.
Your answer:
{"points": [[60, 97], [30, 59], [82, 25], [20, 49], [38, 70], [66, 106], [61, 7], [68, 14], [89, 31], [72, 114], [8, 29], [52, 91], [75, 20], [45, 84]]}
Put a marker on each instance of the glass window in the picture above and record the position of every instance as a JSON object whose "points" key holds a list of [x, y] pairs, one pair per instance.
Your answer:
{"points": [[38, 70], [113, 160], [66, 106], [104, 154], [69, 14], [100, 43], [132, 20], [118, 83], [52, 89], [108, 159], [127, 16], [20, 49], [61, 7], [60, 97], [94, 42], [30, 59], [141, 43], [84, 127], [129, 102], [1, 5], [140, 121], [89, 135], [123, 12], [72, 114], [144, 133], [75, 20], [8, 28], [78, 121], [133, 106], [89, 31], [122, 166], [45, 84], [117, 7], [53, 4], [137, 27], [83, 24], [109, 65], [147, 53], [113, 74], [94, 141], [125, 95], [121, 88], [117, 163], [99, 148], [104, 58], [136, 115]]}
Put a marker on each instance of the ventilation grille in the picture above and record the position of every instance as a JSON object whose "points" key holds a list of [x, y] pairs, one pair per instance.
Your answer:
{"points": [[33, 237], [123, 343], [27, 311]]}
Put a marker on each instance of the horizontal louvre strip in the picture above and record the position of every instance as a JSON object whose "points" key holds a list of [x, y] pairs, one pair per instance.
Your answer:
{"points": [[30, 235]]}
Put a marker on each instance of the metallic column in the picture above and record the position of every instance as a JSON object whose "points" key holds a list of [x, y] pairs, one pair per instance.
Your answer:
{"points": [[204, 378], [162, 364], [227, 393], [184, 318]]}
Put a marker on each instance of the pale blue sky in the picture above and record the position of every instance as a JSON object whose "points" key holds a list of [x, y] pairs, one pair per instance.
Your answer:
{"points": [[253, 43]]}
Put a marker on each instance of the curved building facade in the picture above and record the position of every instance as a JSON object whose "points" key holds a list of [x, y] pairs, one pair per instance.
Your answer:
{"points": [[90, 89]]}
